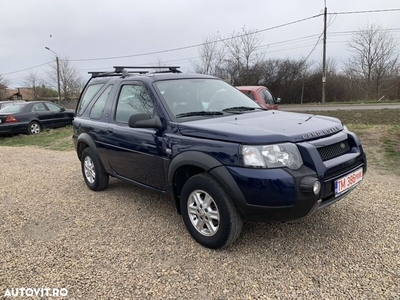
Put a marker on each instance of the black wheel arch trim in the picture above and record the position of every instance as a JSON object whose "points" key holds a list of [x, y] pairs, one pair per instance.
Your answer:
{"points": [[85, 138], [194, 158], [222, 174], [210, 165]]}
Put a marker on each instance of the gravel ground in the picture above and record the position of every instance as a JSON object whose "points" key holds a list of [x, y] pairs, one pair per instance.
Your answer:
{"points": [[129, 243]]}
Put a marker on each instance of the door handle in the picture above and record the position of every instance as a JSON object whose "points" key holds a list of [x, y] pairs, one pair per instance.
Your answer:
{"points": [[110, 130]]}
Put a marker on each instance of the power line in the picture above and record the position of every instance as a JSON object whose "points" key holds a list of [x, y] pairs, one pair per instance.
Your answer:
{"points": [[364, 11], [234, 37], [296, 40], [222, 40], [291, 48], [315, 46], [350, 32], [198, 45], [27, 68]]}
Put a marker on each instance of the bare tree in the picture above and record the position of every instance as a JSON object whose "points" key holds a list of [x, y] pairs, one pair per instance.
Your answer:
{"points": [[284, 77], [3, 85], [33, 81], [71, 81], [234, 58], [242, 56], [159, 62], [211, 57], [374, 58]]}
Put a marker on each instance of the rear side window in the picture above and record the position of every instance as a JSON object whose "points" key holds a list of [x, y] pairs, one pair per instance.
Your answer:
{"points": [[98, 107], [39, 107], [87, 97]]}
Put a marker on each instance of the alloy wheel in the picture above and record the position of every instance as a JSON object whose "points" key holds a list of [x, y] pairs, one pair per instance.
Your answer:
{"points": [[203, 213]]}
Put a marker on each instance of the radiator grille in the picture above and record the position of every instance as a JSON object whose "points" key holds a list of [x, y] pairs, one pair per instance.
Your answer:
{"points": [[334, 150]]}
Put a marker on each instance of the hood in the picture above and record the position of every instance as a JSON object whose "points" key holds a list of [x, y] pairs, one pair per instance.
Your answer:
{"points": [[262, 127]]}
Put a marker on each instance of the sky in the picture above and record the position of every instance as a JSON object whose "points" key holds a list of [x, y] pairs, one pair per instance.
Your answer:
{"points": [[92, 33]]}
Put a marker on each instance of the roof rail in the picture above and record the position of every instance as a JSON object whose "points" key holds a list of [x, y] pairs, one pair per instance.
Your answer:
{"points": [[171, 69], [122, 71]]}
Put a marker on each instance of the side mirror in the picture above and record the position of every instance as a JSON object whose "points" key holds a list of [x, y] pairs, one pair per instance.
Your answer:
{"points": [[278, 100], [144, 121], [62, 109]]}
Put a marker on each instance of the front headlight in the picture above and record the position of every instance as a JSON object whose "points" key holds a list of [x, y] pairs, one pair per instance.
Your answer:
{"points": [[272, 156]]}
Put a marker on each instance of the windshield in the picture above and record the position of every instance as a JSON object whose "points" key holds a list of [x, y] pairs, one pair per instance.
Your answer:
{"points": [[185, 96], [12, 108]]}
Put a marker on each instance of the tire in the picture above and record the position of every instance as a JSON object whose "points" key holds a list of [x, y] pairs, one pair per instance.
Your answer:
{"points": [[95, 177], [34, 128], [209, 213]]}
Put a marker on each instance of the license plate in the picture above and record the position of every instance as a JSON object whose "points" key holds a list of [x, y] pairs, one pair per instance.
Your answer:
{"points": [[347, 182]]}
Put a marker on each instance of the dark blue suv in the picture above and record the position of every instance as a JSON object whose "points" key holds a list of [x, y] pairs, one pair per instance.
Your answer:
{"points": [[222, 158]]}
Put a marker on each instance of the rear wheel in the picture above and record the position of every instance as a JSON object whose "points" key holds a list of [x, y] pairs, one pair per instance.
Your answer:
{"points": [[34, 127], [209, 213], [96, 179]]}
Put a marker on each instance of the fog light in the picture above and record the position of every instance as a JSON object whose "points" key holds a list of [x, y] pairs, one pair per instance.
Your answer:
{"points": [[310, 186], [316, 187]]}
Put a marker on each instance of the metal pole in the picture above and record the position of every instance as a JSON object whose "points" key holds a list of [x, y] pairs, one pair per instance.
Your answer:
{"points": [[58, 80], [58, 75], [324, 59]]}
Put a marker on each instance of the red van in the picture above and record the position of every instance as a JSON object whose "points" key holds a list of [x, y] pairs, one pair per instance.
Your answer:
{"points": [[261, 95]]}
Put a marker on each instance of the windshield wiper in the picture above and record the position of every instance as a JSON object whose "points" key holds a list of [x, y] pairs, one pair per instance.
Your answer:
{"points": [[199, 113], [241, 109]]}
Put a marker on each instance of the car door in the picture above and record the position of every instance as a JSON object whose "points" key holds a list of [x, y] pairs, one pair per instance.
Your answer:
{"points": [[135, 153], [42, 113], [58, 116]]}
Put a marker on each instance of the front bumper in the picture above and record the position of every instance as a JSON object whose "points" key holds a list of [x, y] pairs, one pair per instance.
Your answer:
{"points": [[274, 195]]}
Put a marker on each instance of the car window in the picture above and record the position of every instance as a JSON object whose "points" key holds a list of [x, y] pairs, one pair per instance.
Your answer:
{"points": [[267, 97], [133, 99], [38, 107], [53, 107], [7, 104], [250, 95], [97, 110], [11, 109], [91, 91]]}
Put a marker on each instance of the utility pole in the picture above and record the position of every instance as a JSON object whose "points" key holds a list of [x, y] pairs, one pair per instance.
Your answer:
{"points": [[58, 80], [324, 57], [58, 75]]}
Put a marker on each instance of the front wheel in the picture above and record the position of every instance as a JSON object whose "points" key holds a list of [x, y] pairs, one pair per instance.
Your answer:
{"points": [[209, 213], [34, 127], [96, 179]]}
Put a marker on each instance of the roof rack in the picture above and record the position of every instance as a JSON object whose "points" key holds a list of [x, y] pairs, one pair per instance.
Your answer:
{"points": [[121, 71], [172, 69]]}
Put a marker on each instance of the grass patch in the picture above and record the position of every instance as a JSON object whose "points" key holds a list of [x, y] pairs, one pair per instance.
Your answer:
{"points": [[59, 139], [368, 102], [391, 144], [395, 101], [363, 117]]}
